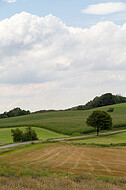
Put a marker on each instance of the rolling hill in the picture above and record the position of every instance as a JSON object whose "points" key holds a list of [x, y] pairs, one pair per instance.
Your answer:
{"points": [[66, 122]]}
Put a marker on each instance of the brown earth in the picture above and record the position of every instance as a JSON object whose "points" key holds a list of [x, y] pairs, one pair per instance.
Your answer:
{"points": [[67, 158]]}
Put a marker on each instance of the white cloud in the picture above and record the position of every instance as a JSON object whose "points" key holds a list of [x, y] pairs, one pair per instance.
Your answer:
{"points": [[105, 8], [10, 1], [46, 64]]}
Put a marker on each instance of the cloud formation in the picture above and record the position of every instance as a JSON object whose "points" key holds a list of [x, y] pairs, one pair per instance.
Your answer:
{"points": [[105, 8], [42, 60], [10, 1]]}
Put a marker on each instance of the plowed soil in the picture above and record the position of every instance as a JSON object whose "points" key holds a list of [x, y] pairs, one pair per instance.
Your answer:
{"points": [[71, 159]]}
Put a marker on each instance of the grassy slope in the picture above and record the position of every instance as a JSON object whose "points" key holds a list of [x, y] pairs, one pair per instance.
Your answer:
{"points": [[5, 134], [66, 122], [114, 139]]}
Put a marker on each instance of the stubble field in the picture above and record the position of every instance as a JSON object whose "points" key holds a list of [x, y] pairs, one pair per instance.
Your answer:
{"points": [[66, 158]]}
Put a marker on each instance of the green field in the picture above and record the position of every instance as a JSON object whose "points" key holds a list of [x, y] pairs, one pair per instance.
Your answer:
{"points": [[43, 134], [111, 139], [65, 122]]}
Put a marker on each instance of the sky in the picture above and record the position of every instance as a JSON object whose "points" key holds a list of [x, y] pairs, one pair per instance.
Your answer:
{"points": [[59, 54]]}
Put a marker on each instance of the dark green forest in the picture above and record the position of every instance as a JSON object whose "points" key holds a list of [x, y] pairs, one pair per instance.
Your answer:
{"points": [[103, 100], [14, 112]]}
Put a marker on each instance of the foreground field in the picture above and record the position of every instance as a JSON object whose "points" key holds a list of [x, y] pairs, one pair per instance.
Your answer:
{"points": [[43, 134], [65, 122], [58, 183], [64, 158], [62, 166]]}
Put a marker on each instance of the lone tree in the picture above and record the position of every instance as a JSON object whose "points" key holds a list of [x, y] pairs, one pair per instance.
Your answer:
{"points": [[101, 120]]}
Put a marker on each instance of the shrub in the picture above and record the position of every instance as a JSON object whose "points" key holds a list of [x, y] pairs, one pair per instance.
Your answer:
{"points": [[110, 110]]}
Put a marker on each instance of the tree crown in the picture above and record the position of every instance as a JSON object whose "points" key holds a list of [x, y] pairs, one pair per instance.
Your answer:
{"points": [[100, 119]]}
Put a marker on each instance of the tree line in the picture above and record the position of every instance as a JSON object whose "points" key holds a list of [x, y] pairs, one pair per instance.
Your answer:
{"points": [[103, 100], [14, 112]]}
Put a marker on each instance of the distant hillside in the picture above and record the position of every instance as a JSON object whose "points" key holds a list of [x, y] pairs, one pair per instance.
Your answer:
{"points": [[103, 100]]}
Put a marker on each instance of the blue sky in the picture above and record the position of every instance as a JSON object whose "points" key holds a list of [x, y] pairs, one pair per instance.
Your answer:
{"points": [[69, 11], [56, 54]]}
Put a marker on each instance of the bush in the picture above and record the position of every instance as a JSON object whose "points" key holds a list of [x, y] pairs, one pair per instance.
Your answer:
{"points": [[28, 135], [110, 110]]}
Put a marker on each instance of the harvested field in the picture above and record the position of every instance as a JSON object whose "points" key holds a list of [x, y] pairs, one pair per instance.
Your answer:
{"points": [[67, 158]]}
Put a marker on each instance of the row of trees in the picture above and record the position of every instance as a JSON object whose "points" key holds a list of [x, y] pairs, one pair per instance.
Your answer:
{"points": [[28, 135]]}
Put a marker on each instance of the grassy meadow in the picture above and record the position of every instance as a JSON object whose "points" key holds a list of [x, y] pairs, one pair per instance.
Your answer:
{"points": [[114, 139], [66, 122], [43, 134]]}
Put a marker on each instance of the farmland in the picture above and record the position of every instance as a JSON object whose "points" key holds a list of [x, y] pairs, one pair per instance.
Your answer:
{"points": [[43, 134], [119, 138], [73, 164], [63, 165], [65, 122], [64, 157]]}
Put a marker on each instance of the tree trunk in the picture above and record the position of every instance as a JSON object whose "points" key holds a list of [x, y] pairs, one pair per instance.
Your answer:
{"points": [[97, 131]]}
